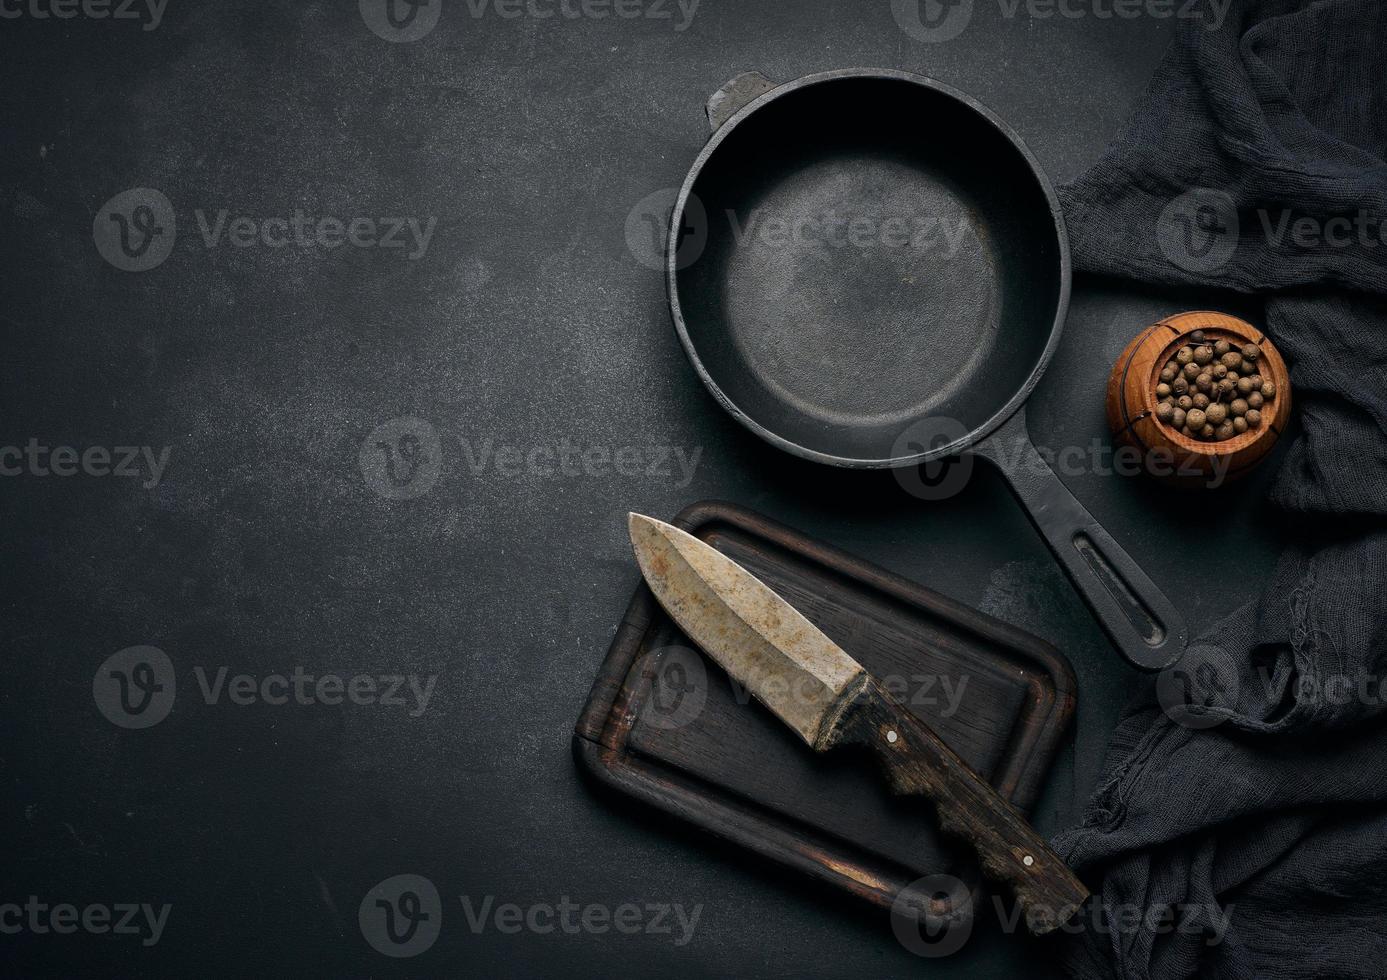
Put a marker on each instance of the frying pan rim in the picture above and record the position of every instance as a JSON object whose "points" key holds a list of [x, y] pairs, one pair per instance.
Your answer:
{"points": [[1012, 405]]}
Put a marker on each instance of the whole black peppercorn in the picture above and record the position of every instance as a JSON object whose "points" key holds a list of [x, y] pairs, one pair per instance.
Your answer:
{"points": [[1240, 425], [1195, 419], [1233, 359], [1239, 406], [1222, 347], [1203, 355], [1197, 336], [1255, 400], [1184, 355], [1201, 400], [1205, 382], [1177, 418], [1254, 417], [1162, 390], [1219, 370], [1245, 386], [1216, 413], [1185, 402], [1251, 352], [1165, 411], [1193, 371], [1167, 373], [1180, 385], [1268, 390]]}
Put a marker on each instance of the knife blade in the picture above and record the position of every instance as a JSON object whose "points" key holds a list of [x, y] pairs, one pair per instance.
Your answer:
{"points": [[827, 698]]}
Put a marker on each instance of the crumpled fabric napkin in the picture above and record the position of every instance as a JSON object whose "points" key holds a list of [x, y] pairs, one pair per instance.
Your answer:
{"points": [[1257, 161]]}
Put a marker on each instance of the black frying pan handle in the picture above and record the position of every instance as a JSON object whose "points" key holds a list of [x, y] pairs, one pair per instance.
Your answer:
{"points": [[735, 93], [1136, 615]]}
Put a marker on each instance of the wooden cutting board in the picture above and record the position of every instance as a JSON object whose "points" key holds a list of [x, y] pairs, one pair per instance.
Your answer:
{"points": [[665, 725]]}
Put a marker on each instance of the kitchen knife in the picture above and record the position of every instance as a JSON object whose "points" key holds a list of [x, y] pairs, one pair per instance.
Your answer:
{"points": [[829, 699]]}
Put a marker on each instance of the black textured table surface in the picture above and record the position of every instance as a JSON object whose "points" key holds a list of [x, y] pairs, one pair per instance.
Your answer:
{"points": [[372, 658]]}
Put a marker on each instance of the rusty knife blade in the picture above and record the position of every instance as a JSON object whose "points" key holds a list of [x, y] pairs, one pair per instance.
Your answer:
{"points": [[763, 642]]}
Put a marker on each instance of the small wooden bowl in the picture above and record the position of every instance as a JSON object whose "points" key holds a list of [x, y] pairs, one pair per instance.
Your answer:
{"points": [[1166, 453]]}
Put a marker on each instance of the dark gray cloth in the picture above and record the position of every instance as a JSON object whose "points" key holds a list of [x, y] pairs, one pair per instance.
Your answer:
{"points": [[1258, 139]]}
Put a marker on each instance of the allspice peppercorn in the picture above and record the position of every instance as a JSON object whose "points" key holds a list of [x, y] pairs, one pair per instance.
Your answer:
{"points": [[1211, 389]]}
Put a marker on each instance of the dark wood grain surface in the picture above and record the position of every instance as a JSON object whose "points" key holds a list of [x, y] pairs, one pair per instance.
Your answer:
{"points": [[1000, 698]]}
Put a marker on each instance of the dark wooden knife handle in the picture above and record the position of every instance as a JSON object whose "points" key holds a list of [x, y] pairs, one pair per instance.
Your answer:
{"points": [[918, 763]]}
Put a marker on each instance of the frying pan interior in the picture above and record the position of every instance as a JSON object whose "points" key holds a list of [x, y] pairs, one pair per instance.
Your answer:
{"points": [[877, 252]]}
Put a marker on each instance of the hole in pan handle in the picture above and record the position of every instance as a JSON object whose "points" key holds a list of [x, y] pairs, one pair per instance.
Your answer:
{"points": [[1137, 617]]}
